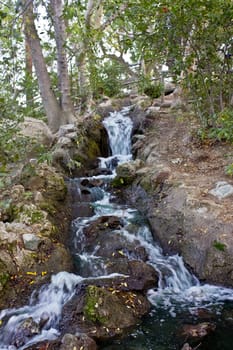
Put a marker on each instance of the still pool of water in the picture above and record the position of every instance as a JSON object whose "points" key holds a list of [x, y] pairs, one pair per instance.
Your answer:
{"points": [[160, 331]]}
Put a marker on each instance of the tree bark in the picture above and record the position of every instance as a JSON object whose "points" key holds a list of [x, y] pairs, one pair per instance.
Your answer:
{"points": [[52, 109], [28, 75], [62, 65]]}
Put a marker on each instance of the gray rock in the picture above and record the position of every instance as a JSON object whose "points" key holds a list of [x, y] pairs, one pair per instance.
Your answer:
{"points": [[137, 137], [81, 341], [31, 242], [36, 129], [72, 135], [66, 129], [64, 141], [222, 190]]}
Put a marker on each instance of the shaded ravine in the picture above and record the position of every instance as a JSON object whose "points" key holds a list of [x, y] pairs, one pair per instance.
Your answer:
{"points": [[179, 292]]}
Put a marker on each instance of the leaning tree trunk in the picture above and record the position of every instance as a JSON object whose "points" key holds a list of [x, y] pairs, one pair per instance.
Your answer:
{"points": [[63, 76], [52, 109]]}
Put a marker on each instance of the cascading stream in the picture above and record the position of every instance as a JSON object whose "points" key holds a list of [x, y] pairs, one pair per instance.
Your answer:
{"points": [[178, 288]]}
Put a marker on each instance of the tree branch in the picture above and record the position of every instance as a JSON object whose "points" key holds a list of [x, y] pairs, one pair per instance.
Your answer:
{"points": [[121, 61], [114, 16]]}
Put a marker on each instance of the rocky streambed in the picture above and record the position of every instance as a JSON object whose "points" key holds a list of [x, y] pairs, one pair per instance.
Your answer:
{"points": [[117, 272]]}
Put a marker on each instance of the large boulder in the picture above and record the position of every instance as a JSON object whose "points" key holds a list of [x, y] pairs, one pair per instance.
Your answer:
{"points": [[183, 191], [103, 313], [45, 178], [126, 173], [98, 238], [136, 276], [37, 130]]}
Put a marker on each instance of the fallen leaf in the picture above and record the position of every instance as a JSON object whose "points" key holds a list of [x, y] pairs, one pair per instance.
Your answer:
{"points": [[30, 273]]}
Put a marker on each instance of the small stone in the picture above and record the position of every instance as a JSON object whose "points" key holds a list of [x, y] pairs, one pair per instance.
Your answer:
{"points": [[222, 190], [198, 331], [31, 242], [186, 347], [38, 197], [80, 341], [176, 161]]}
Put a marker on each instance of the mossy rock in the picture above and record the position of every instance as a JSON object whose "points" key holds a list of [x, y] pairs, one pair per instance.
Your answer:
{"points": [[30, 214], [6, 210], [113, 308], [119, 182], [93, 150], [94, 299], [4, 278], [147, 184], [126, 173], [45, 178]]}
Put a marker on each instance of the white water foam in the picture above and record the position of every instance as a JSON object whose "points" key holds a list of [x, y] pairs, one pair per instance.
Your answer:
{"points": [[45, 304]]}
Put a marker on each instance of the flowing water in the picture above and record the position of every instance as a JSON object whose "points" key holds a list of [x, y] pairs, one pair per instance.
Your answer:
{"points": [[180, 295]]}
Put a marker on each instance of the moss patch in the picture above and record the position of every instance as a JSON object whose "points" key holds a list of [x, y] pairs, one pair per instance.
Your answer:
{"points": [[219, 246], [94, 300], [4, 278]]}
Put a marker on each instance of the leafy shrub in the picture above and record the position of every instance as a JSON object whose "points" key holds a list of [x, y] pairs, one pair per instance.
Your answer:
{"points": [[223, 129], [229, 170], [151, 89]]}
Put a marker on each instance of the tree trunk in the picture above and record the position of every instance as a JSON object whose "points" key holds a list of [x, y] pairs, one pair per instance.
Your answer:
{"points": [[93, 16], [83, 77], [62, 65], [53, 111], [28, 75]]}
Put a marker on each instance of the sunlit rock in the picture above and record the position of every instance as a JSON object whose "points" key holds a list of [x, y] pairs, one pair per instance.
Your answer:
{"points": [[31, 242]]}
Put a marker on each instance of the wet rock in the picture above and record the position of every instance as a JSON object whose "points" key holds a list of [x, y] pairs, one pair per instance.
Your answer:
{"points": [[98, 171], [186, 346], [81, 341], [117, 246], [81, 210], [56, 260], [198, 331], [126, 173], [139, 276], [27, 329], [99, 238], [103, 223], [92, 182], [103, 314]]}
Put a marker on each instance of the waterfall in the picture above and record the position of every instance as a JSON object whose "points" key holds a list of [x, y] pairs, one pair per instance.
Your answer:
{"points": [[119, 128], [178, 288]]}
